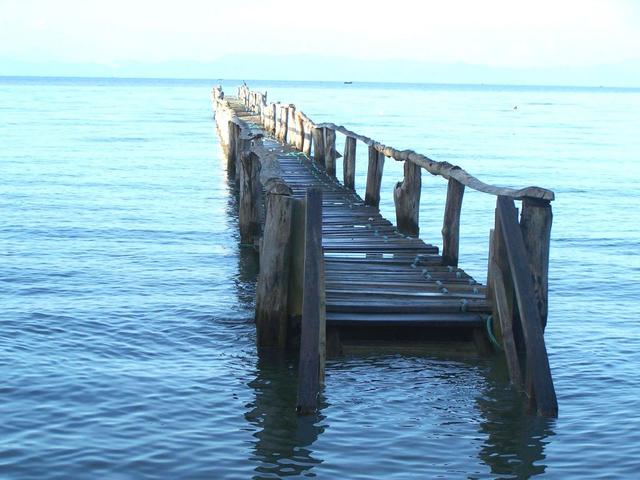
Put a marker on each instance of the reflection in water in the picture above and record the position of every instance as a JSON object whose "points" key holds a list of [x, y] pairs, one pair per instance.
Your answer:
{"points": [[515, 441], [283, 439]]}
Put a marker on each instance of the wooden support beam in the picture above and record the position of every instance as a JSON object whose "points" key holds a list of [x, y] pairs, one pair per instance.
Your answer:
{"points": [[309, 370], [330, 151], [318, 145], [292, 133], [284, 123], [307, 136], [406, 196], [538, 370], [349, 163], [300, 128], [535, 222], [249, 204], [451, 223], [374, 177], [273, 280], [296, 275]]}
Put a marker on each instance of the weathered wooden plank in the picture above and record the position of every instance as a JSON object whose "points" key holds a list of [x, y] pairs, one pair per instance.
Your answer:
{"points": [[249, 202], [374, 178], [537, 360], [451, 223], [310, 357], [535, 223], [439, 320], [508, 341], [273, 280], [349, 163], [406, 196]]}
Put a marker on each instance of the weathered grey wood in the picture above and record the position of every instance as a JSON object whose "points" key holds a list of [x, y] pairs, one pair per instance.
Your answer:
{"points": [[349, 163], [284, 123], [292, 134], [309, 365], [374, 178], [330, 151], [451, 223], [535, 222], [232, 148], [318, 145], [300, 129], [406, 196], [249, 204], [273, 280], [323, 320], [296, 276], [537, 360], [307, 136], [506, 324]]}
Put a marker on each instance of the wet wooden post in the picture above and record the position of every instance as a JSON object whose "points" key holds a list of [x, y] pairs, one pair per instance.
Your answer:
{"points": [[349, 163], [406, 196], [539, 383], [318, 145], [330, 151], [374, 177], [296, 270], [535, 222], [451, 223], [249, 204], [273, 280], [310, 365]]}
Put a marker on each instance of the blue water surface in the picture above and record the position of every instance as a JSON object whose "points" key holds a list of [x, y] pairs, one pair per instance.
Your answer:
{"points": [[126, 328]]}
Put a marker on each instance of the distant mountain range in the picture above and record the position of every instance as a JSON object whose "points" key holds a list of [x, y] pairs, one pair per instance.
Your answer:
{"points": [[302, 67]]}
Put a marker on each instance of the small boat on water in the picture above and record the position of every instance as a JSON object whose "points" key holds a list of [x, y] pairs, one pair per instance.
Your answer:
{"points": [[348, 83]]}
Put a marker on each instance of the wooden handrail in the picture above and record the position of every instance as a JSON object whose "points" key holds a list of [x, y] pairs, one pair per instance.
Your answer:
{"points": [[443, 169]]}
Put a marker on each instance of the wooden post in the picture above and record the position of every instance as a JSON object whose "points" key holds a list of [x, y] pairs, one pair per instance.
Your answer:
{"points": [[330, 151], [374, 177], [318, 145], [296, 275], [535, 223], [249, 208], [310, 355], [292, 134], [300, 128], [451, 223], [538, 370], [273, 281], [406, 196], [284, 123], [232, 146], [349, 163], [306, 146]]}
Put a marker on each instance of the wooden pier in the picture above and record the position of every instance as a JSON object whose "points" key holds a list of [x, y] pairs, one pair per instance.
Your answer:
{"points": [[332, 267]]}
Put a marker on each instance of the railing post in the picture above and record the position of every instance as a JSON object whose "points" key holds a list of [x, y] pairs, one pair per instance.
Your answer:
{"points": [[406, 196], [273, 280], [284, 123], [311, 366], [300, 129], [318, 145], [307, 138], [374, 177], [249, 207], [330, 151], [451, 223], [349, 163], [535, 222], [291, 125]]}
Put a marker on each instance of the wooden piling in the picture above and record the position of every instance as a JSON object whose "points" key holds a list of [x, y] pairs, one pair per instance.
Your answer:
{"points": [[318, 145], [249, 204], [406, 196], [232, 148], [538, 371], [273, 280], [307, 137], [330, 151], [349, 163], [374, 177], [451, 223], [310, 352], [535, 222]]}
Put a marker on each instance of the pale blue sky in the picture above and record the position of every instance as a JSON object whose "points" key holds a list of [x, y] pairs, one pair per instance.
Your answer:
{"points": [[131, 35]]}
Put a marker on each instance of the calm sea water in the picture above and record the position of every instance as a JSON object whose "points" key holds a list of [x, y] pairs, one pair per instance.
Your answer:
{"points": [[126, 334]]}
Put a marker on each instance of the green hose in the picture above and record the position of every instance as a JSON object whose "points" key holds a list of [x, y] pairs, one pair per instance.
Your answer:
{"points": [[492, 338]]}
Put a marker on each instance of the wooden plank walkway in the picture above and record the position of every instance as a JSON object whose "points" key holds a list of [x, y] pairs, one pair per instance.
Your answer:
{"points": [[374, 275]]}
